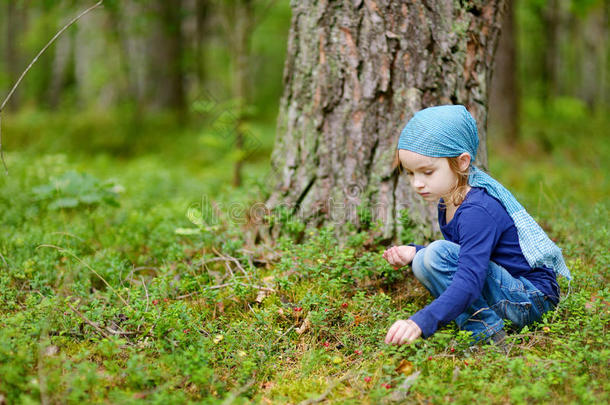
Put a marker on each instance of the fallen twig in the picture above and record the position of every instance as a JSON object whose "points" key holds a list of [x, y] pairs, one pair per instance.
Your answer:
{"points": [[323, 396], [214, 287], [88, 322], [230, 399], [120, 332], [146, 291], [89, 267], [234, 260], [283, 334]]}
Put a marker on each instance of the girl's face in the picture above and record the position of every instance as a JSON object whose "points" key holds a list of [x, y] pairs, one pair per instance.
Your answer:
{"points": [[430, 177]]}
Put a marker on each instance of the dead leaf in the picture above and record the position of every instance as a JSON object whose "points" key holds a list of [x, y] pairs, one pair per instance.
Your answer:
{"points": [[51, 350], [304, 326], [262, 294], [405, 367], [267, 385]]}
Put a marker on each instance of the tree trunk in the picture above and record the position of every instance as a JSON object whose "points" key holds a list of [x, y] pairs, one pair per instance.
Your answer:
{"points": [[552, 56], [355, 73], [594, 33], [504, 91], [202, 17], [240, 55], [15, 19], [62, 59], [166, 57]]}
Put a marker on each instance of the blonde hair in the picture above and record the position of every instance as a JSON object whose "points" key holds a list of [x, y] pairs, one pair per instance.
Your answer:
{"points": [[461, 188]]}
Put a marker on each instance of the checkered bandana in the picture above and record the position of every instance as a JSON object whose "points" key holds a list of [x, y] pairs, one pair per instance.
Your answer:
{"points": [[450, 130]]}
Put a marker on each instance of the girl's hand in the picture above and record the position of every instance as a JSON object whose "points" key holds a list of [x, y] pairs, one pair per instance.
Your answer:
{"points": [[399, 256], [403, 332]]}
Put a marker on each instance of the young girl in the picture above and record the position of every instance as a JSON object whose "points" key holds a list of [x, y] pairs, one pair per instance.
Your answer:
{"points": [[495, 262]]}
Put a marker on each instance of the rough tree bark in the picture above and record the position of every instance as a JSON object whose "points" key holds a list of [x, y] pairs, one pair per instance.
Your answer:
{"points": [[355, 72]]}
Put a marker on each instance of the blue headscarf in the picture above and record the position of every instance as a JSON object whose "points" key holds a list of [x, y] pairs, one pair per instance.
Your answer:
{"points": [[450, 130]]}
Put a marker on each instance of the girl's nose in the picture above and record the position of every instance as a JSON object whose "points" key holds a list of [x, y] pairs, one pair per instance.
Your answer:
{"points": [[417, 183]]}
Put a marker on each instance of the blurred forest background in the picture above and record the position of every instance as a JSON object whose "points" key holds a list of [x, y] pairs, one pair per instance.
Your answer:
{"points": [[116, 287], [136, 77]]}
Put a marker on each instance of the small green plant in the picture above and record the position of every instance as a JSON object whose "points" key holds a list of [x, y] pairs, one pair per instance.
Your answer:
{"points": [[73, 189]]}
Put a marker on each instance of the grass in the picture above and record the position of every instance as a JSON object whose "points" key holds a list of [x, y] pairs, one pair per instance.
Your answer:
{"points": [[107, 303]]}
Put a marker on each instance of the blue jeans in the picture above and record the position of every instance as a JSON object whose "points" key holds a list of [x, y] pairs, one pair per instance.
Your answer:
{"points": [[503, 296]]}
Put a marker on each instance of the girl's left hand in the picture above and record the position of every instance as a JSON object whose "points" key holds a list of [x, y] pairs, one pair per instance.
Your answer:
{"points": [[403, 332], [399, 256]]}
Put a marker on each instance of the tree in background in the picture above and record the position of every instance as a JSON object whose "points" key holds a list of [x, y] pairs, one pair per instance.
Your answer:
{"points": [[504, 92], [240, 18], [138, 60], [14, 20], [355, 73]]}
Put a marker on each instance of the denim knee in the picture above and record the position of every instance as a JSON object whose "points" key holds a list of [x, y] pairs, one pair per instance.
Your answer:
{"points": [[417, 265], [437, 256], [441, 254]]}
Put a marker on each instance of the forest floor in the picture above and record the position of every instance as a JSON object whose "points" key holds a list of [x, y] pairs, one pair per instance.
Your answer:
{"points": [[132, 280]]}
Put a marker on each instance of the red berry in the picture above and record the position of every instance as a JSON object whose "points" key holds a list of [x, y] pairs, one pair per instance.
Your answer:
{"points": [[387, 386], [358, 352], [325, 309], [429, 357], [367, 379], [344, 305], [165, 300], [452, 350], [155, 302], [465, 362], [326, 344], [186, 330], [298, 309]]}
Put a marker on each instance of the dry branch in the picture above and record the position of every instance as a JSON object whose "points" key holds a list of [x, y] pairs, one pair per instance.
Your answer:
{"points": [[10, 93], [90, 268]]}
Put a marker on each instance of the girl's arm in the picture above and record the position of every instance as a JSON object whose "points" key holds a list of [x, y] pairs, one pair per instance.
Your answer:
{"points": [[478, 235]]}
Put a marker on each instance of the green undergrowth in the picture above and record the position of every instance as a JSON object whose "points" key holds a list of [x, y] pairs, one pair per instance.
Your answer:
{"points": [[136, 280]]}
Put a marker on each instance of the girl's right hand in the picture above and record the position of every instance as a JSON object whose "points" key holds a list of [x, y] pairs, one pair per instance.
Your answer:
{"points": [[399, 256]]}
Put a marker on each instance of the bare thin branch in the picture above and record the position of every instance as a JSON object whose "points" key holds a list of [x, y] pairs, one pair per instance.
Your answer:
{"points": [[257, 20], [88, 321], [228, 258], [10, 93], [214, 287], [4, 260], [146, 290], [331, 387], [90, 268]]}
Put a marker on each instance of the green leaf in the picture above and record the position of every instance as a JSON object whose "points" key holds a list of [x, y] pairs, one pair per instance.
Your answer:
{"points": [[63, 203], [91, 198], [187, 231]]}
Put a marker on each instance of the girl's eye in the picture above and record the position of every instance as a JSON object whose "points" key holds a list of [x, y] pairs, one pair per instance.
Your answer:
{"points": [[409, 174], [428, 172]]}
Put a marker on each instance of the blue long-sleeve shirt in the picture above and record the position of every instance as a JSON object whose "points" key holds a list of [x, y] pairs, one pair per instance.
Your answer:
{"points": [[485, 232]]}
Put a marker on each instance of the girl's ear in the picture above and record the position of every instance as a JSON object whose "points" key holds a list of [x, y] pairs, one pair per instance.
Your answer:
{"points": [[464, 161]]}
